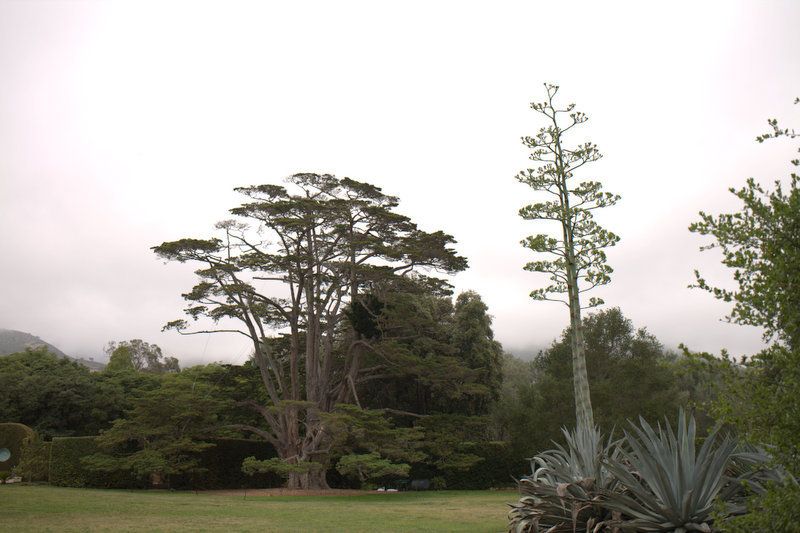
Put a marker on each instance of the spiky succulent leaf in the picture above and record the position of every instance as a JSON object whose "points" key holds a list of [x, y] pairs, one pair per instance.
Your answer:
{"points": [[563, 491], [670, 485]]}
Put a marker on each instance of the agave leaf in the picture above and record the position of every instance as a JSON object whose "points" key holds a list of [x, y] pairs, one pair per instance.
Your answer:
{"points": [[676, 484], [562, 492]]}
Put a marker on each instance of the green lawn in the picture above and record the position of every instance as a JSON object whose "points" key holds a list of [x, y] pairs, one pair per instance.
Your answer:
{"points": [[44, 508]]}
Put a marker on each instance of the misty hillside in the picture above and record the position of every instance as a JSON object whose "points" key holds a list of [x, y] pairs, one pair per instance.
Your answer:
{"points": [[13, 341]]}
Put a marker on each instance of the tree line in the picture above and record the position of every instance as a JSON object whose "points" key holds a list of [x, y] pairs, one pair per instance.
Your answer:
{"points": [[454, 399]]}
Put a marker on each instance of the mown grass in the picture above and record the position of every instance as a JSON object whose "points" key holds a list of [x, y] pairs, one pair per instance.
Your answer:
{"points": [[44, 508]]}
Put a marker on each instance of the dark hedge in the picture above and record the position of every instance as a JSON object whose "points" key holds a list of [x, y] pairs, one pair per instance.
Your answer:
{"points": [[66, 469], [498, 468], [34, 464], [223, 464], [223, 468]]}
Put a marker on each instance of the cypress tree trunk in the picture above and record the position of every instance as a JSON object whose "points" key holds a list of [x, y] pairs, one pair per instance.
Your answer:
{"points": [[314, 480]]}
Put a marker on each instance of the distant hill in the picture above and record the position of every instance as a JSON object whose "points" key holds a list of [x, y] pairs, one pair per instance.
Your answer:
{"points": [[13, 341]]}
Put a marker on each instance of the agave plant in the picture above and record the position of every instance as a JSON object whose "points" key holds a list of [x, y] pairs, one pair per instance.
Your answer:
{"points": [[756, 469], [668, 484], [564, 491]]}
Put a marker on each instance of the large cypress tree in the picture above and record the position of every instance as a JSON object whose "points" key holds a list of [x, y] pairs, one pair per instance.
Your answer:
{"points": [[314, 250]]}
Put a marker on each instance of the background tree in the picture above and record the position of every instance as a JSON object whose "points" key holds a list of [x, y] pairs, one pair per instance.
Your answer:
{"points": [[630, 374], [60, 397], [474, 340], [320, 247], [161, 435], [580, 263], [139, 356], [239, 385], [435, 357], [759, 398], [370, 467], [365, 445], [761, 242]]}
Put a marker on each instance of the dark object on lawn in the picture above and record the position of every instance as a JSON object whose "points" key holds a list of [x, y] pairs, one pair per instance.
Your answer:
{"points": [[420, 484]]}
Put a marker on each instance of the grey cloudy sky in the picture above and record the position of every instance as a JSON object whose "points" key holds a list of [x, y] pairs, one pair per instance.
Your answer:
{"points": [[125, 124]]}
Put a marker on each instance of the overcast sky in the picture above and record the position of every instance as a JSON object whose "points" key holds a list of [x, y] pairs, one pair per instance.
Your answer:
{"points": [[125, 124]]}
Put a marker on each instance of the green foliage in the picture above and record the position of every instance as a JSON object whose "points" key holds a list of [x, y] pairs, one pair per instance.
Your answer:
{"points": [[700, 377], [369, 438], [34, 464], [460, 450], [497, 467], [54, 396], [630, 374], [364, 316], [474, 341], [761, 398], [328, 242], [370, 467], [423, 373], [139, 356], [434, 357], [759, 242], [359, 430], [14, 437], [449, 440], [276, 465], [58, 397], [776, 510], [438, 483], [67, 469], [220, 466], [162, 432]]}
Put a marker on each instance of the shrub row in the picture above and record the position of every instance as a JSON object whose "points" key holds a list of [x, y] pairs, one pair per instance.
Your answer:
{"points": [[60, 462], [34, 463], [499, 467], [66, 469], [222, 466]]}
